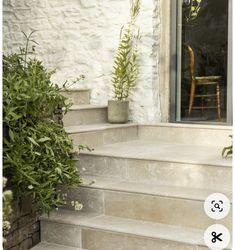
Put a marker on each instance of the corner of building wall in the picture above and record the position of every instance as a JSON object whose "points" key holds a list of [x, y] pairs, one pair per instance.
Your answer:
{"points": [[164, 59], [156, 116]]}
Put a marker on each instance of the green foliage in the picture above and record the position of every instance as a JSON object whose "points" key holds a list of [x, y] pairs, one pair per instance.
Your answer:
{"points": [[7, 210], [68, 84], [28, 93], [193, 10], [37, 151], [126, 61], [228, 151]]}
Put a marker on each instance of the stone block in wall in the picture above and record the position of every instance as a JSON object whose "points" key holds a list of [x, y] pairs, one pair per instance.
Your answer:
{"points": [[12, 240], [26, 220], [14, 226], [25, 227], [24, 233], [25, 205], [16, 211], [23, 238]]}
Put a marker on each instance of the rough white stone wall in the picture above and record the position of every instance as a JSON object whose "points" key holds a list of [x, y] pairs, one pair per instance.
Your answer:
{"points": [[81, 36]]}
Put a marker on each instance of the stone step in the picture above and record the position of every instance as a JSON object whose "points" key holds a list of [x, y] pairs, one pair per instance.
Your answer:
{"points": [[100, 134], [207, 135], [50, 246], [62, 227], [161, 163], [85, 114], [98, 232], [77, 96], [162, 204]]}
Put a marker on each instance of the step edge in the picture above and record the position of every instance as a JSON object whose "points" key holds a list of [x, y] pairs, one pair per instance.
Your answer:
{"points": [[142, 235], [134, 125], [55, 245], [178, 197], [87, 107], [93, 153], [191, 126], [65, 221]]}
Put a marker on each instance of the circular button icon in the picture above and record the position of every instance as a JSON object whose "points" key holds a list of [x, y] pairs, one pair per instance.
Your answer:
{"points": [[217, 206], [217, 237]]}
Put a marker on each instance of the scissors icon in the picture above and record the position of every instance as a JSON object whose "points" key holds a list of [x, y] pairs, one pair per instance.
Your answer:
{"points": [[216, 205], [216, 237]]}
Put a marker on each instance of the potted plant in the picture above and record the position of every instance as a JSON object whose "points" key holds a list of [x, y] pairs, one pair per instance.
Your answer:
{"points": [[125, 67]]}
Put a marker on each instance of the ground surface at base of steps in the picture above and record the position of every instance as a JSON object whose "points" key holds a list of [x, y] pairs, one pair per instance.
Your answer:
{"points": [[120, 225], [99, 232], [50, 246]]}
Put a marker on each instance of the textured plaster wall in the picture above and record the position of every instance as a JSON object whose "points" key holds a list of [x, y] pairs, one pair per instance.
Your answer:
{"points": [[81, 36]]}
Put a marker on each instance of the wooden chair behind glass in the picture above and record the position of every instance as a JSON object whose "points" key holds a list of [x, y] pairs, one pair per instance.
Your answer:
{"points": [[202, 82]]}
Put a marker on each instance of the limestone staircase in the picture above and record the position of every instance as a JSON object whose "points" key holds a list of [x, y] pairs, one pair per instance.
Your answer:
{"points": [[150, 184]]}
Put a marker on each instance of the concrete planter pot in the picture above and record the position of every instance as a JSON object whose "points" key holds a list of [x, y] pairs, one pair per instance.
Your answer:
{"points": [[118, 111]]}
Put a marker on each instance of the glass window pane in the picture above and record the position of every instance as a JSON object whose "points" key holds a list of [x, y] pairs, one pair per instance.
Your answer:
{"points": [[204, 52]]}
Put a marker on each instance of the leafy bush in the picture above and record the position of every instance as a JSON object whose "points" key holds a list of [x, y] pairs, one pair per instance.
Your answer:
{"points": [[37, 151], [125, 63]]}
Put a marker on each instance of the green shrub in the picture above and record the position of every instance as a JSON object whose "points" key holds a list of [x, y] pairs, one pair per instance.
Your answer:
{"points": [[37, 151]]}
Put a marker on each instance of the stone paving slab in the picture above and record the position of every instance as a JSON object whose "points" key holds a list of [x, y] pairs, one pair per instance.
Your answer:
{"points": [[165, 151]]}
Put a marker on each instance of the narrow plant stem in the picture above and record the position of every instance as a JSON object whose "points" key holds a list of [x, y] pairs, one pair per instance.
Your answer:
{"points": [[26, 51]]}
